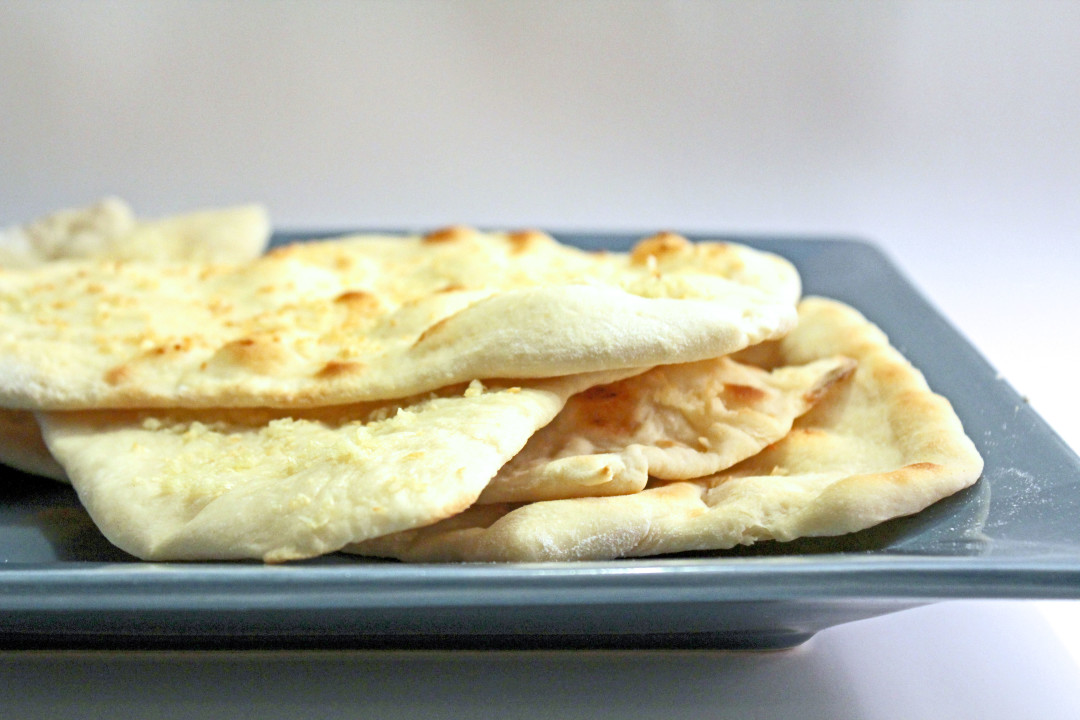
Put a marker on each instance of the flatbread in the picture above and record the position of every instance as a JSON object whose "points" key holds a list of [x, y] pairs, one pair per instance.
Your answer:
{"points": [[277, 486], [109, 230], [372, 318], [878, 446], [675, 422]]}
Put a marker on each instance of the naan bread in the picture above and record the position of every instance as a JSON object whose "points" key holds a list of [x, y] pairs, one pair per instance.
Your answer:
{"points": [[371, 318], [109, 230], [276, 486], [674, 422], [878, 446]]}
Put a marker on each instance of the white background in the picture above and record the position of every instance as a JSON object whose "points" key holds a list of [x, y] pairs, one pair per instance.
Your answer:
{"points": [[946, 132]]}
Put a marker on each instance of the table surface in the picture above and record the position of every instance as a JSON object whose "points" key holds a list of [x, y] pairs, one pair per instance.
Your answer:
{"points": [[944, 132]]}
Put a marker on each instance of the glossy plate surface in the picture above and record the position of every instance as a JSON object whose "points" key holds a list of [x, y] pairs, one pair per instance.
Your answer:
{"points": [[1012, 535]]}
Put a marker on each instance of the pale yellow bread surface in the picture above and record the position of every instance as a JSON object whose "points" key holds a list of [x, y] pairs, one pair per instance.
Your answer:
{"points": [[368, 318], [277, 486], [878, 446], [674, 422], [108, 229]]}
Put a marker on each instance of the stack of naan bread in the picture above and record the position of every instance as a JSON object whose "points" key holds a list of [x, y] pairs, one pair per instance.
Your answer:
{"points": [[462, 396]]}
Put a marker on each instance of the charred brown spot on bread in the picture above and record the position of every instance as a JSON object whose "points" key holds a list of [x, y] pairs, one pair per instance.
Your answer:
{"points": [[176, 345], [449, 234], [118, 375], [338, 368], [601, 393], [183, 344], [358, 301], [736, 394], [610, 407], [913, 473], [260, 354], [664, 243], [522, 240], [451, 288]]}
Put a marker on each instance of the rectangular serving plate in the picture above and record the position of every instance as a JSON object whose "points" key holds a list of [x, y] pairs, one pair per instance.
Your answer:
{"points": [[1012, 535]]}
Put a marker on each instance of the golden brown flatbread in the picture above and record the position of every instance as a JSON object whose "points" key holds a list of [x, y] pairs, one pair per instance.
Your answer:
{"points": [[466, 396], [373, 318], [286, 485], [674, 422], [878, 446], [109, 230]]}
